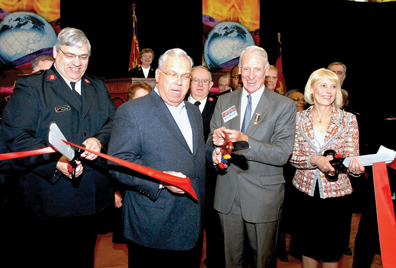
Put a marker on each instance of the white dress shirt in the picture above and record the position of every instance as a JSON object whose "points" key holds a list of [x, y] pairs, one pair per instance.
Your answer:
{"points": [[201, 106], [255, 100]]}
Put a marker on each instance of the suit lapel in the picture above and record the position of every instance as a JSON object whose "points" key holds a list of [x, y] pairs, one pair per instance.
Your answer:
{"points": [[88, 95], [235, 100], [167, 120]]}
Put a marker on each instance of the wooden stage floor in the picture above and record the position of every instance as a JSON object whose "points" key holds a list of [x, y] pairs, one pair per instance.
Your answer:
{"points": [[108, 254]]}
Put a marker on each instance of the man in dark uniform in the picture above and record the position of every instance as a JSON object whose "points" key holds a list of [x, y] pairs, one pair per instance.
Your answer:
{"points": [[59, 218]]}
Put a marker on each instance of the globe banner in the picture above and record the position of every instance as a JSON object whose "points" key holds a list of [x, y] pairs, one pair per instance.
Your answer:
{"points": [[24, 33], [229, 28]]}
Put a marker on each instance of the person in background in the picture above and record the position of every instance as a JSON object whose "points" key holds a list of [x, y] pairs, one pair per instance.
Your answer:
{"points": [[298, 98], [144, 70], [224, 83], [320, 201], [236, 78], [272, 78], [138, 89], [201, 83], [42, 63]]}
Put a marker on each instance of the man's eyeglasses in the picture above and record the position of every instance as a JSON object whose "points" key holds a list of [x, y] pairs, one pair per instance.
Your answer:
{"points": [[72, 56], [203, 81], [174, 76]]}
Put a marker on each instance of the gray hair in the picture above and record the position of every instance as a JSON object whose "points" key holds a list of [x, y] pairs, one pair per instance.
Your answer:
{"points": [[174, 52], [256, 50], [337, 63], [288, 93], [72, 37], [203, 68], [36, 61], [225, 76]]}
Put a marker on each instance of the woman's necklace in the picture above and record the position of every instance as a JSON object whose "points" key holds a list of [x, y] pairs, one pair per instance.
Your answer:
{"points": [[320, 118]]}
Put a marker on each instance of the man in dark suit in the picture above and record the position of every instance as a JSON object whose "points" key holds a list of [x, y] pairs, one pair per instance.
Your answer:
{"points": [[249, 193], [144, 70], [162, 223], [61, 216]]}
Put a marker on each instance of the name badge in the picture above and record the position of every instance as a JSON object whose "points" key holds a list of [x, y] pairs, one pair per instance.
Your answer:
{"points": [[63, 108], [229, 114]]}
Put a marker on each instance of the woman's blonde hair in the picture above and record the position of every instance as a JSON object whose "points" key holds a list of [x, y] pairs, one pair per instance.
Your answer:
{"points": [[315, 77]]}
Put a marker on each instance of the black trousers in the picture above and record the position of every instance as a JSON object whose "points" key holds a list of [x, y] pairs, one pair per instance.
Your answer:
{"points": [[140, 256], [59, 242]]}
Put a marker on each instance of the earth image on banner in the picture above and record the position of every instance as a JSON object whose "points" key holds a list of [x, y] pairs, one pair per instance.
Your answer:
{"points": [[22, 33], [225, 42]]}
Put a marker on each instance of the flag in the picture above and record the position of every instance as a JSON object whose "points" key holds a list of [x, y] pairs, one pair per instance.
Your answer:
{"points": [[280, 85], [134, 58]]}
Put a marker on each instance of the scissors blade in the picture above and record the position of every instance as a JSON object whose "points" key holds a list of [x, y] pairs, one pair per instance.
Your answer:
{"points": [[55, 137]]}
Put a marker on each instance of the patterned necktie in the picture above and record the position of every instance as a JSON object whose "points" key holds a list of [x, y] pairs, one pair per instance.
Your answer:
{"points": [[248, 114], [197, 103]]}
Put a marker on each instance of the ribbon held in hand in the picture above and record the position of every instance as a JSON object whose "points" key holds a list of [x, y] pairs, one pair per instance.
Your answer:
{"points": [[182, 183]]}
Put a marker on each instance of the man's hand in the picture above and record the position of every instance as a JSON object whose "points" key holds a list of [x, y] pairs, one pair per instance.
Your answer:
{"points": [[63, 164], [171, 187], [236, 135], [217, 155], [219, 136], [92, 144], [117, 199]]}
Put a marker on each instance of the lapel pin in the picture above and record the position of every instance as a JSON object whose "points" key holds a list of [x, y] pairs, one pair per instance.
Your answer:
{"points": [[52, 77], [256, 118]]}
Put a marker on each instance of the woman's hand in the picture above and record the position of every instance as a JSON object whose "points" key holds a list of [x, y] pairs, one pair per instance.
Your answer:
{"points": [[323, 163], [355, 166]]}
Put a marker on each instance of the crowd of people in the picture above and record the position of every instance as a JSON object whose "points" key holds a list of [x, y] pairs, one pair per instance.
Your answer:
{"points": [[245, 202]]}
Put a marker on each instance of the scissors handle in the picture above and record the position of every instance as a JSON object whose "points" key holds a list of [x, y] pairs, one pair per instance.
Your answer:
{"points": [[337, 164]]}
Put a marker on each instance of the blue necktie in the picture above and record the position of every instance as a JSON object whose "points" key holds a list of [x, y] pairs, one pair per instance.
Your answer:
{"points": [[248, 114]]}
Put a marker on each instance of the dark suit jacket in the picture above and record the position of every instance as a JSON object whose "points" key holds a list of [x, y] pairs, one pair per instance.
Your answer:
{"points": [[257, 176], [145, 133], [37, 101], [138, 72]]}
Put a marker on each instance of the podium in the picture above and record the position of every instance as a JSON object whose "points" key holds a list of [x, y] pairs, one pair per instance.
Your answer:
{"points": [[118, 87]]}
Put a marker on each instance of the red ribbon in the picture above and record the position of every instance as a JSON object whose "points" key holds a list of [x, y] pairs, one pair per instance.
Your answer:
{"points": [[385, 214], [182, 183], [45, 150]]}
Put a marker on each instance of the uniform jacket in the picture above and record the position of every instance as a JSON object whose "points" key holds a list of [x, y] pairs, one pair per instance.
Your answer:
{"points": [[138, 72], [257, 176], [342, 135], [37, 101], [145, 133]]}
